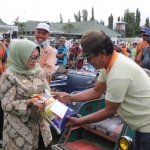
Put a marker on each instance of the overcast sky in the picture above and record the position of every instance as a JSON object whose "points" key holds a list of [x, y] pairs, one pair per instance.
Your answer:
{"points": [[50, 10]]}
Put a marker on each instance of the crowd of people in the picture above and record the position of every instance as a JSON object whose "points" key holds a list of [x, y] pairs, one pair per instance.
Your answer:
{"points": [[26, 68]]}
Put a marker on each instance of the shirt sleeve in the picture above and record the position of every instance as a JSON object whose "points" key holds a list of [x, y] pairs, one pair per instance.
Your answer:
{"points": [[116, 90], [101, 76], [8, 102], [65, 51], [49, 64]]}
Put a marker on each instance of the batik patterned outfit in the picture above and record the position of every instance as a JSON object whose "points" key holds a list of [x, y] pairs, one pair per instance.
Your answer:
{"points": [[21, 122]]}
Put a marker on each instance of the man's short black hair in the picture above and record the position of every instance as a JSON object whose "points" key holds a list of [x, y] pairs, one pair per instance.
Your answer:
{"points": [[106, 45]]}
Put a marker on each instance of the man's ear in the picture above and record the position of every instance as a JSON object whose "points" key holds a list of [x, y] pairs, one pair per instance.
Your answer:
{"points": [[103, 52], [49, 35]]}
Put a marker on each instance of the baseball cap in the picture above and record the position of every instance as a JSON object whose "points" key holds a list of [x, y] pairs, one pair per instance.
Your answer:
{"points": [[1, 37], [134, 43], [144, 29], [147, 33], [43, 26], [122, 43], [90, 40], [62, 38], [77, 41]]}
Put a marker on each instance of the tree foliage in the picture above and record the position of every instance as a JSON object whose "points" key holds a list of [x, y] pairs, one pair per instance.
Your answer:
{"points": [[110, 21], [92, 18], [84, 15], [77, 16], [102, 22], [68, 27], [118, 18], [132, 22], [129, 18], [147, 22], [21, 26], [61, 19], [137, 20]]}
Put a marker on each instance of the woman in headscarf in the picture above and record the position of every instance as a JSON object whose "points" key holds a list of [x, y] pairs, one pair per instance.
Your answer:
{"points": [[24, 129]]}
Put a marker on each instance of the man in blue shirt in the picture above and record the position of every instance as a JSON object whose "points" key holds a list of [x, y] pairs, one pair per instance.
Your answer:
{"points": [[62, 52]]}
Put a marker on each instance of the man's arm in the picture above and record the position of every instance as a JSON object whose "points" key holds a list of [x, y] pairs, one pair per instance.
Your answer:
{"points": [[87, 95], [137, 52], [60, 55], [90, 94], [115, 95], [49, 64], [109, 111]]}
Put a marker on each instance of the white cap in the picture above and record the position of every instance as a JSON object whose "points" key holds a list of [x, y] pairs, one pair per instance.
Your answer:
{"points": [[122, 43], [43, 26], [1, 37]]}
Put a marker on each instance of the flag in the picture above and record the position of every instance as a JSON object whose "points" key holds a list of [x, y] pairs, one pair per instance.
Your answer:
{"points": [[17, 19]]}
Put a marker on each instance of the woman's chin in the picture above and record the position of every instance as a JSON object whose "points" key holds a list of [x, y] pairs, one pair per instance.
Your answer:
{"points": [[31, 66]]}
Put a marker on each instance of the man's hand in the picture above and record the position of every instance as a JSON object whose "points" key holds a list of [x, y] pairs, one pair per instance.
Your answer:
{"points": [[72, 121], [62, 97]]}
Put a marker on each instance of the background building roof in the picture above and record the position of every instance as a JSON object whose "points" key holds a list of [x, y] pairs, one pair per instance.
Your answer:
{"points": [[79, 27]]}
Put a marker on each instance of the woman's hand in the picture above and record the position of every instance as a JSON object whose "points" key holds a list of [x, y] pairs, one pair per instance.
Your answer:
{"points": [[35, 102], [62, 97]]}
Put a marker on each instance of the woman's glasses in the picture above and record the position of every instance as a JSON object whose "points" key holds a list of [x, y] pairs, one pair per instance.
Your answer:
{"points": [[33, 59]]}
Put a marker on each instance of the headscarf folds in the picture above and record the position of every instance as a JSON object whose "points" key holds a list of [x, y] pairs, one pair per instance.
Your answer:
{"points": [[19, 53]]}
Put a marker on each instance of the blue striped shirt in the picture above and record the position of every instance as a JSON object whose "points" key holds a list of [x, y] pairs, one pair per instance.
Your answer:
{"points": [[60, 50]]}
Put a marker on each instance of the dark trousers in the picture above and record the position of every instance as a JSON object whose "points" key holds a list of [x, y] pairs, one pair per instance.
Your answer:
{"points": [[1, 122], [142, 141], [41, 144]]}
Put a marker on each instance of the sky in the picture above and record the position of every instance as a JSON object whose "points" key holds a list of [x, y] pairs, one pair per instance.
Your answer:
{"points": [[50, 10]]}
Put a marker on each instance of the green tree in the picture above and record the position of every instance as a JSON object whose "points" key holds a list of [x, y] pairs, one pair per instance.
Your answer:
{"points": [[110, 21], [147, 23], [21, 26], [61, 19], [129, 18], [68, 27], [78, 16], [102, 22], [118, 18], [138, 20], [84, 15], [92, 18]]}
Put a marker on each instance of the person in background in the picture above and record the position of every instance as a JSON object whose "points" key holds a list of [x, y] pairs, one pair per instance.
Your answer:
{"points": [[119, 49], [133, 50], [48, 55], [115, 45], [127, 94], [56, 48], [2, 68], [57, 45], [7, 42], [24, 127], [125, 49], [4, 60], [50, 43], [73, 55], [141, 45], [128, 44], [62, 55], [145, 56]]}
